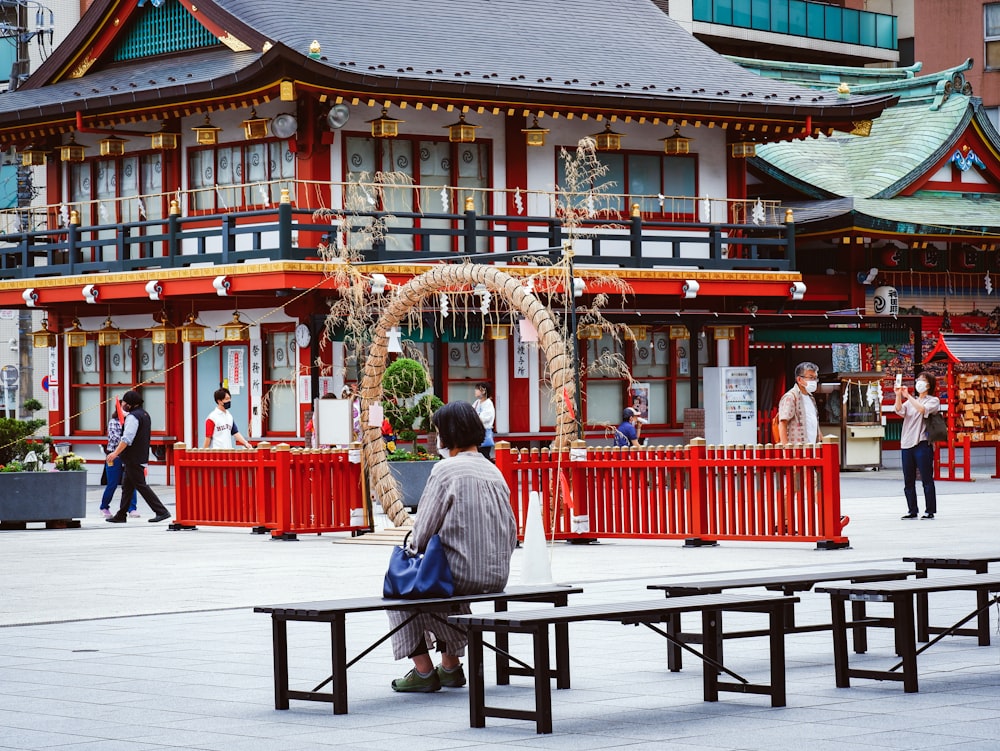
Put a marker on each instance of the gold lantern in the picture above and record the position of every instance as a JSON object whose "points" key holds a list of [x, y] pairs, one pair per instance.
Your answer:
{"points": [[163, 332], [112, 146], [43, 337], [164, 140], [109, 335], [33, 158], [497, 331], [608, 140], [206, 134], [255, 127], [535, 135], [235, 330], [679, 332], [72, 151], [385, 126], [192, 331], [743, 149], [676, 144], [461, 131], [76, 336], [636, 333]]}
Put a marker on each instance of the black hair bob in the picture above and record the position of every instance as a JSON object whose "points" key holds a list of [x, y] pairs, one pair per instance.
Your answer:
{"points": [[458, 426], [132, 398]]}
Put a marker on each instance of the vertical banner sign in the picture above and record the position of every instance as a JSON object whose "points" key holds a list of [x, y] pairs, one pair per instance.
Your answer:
{"points": [[236, 370], [520, 355], [305, 389], [256, 387], [325, 385]]}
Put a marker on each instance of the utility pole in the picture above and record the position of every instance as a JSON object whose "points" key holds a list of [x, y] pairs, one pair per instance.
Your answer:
{"points": [[14, 30]]}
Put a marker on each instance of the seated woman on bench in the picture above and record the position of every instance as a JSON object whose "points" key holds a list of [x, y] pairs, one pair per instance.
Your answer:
{"points": [[467, 503]]}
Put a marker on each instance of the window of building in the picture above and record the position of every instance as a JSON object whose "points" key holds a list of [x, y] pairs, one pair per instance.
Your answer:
{"points": [[122, 189], [991, 35], [431, 172], [468, 364], [643, 178], [241, 175], [102, 373], [280, 352]]}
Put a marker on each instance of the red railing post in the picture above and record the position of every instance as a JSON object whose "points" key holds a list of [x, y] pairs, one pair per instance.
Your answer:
{"points": [[282, 490], [262, 488], [579, 503], [698, 498], [181, 484]]}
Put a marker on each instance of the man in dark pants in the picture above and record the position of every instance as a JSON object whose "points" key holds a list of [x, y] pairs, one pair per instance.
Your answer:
{"points": [[134, 451]]}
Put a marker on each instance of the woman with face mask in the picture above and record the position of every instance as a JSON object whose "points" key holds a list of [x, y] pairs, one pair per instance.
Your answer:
{"points": [[798, 418], [917, 452], [467, 503]]}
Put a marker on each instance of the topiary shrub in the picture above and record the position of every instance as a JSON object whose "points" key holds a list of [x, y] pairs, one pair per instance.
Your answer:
{"points": [[404, 379]]}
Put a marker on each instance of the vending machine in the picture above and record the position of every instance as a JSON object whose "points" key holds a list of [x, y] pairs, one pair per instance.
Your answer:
{"points": [[730, 405]]}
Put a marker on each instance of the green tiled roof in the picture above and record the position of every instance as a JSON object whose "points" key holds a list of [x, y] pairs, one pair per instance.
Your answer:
{"points": [[925, 212], [903, 141]]}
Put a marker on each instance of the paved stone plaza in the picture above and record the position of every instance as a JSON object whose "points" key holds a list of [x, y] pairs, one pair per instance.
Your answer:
{"points": [[135, 637]]}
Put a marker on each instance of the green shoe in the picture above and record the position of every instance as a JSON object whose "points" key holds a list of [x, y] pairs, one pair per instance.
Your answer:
{"points": [[412, 683], [450, 678]]}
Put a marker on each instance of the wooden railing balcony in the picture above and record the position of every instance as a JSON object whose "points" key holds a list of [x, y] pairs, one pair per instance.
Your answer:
{"points": [[41, 242]]}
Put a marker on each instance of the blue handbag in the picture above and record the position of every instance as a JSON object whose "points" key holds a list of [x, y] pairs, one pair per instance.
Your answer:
{"points": [[412, 576]]}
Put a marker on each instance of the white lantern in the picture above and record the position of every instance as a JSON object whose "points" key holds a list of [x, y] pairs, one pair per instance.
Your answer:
{"points": [[886, 301]]}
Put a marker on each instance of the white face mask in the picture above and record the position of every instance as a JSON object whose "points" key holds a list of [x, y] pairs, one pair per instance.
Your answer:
{"points": [[921, 386], [445, 453], [811, 386]]}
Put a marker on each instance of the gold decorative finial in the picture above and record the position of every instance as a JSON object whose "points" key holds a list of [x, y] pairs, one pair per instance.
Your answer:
{"points": [[285, 197], [789, 216], [470, 203], [843, 89], [74, 217], [175, 208], [314, 49], [635, 209]]}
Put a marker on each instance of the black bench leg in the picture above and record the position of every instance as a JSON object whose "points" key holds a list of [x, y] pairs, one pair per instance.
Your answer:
{"points": [[562, 655], [502, 643], [338, 655], [839, 631], [711, 630], [777, 617], [543, 686], [674, 659], [983, 624], [923, 619], [477, 680], [902, 613], [858, 614], [279, 645]]}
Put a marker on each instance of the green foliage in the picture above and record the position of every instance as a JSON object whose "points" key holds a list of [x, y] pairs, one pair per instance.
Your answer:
{"points": [[404, 378], [69, 463], [13, 435], [12, 466], [32, 405], [420, 455]]}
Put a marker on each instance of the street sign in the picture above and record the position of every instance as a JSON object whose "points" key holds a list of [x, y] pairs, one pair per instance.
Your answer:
{"points": [[9, 374], [45, 383]]}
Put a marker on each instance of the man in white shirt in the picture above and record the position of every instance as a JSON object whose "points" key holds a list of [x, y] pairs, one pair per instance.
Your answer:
{"points": [[220, 428]]}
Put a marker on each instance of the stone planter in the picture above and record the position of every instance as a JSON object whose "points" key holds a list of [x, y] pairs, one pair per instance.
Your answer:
{"points": [[56, 498], [412, 477]]}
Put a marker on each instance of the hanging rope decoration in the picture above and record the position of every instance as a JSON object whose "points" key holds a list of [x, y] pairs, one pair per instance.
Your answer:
{"points": [[560, 363]]}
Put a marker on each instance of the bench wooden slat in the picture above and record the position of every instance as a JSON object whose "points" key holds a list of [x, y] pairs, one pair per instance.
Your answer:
{"points": [[652, 610], [322, 608], [932, 584], [780, 579]]}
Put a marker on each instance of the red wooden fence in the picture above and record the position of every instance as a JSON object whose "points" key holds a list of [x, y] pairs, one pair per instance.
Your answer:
{"points": [[275, 489], [696, 492]]}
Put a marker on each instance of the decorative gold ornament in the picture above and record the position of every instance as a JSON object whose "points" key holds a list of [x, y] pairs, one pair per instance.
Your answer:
{"points": [[461, 131], [207, 134], [535, 135]]}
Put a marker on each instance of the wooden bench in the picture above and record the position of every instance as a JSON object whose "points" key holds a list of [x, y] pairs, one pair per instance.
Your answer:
{"points": [[335, 613], [902, 594], [976, 565], [648, 613], [778, 581]]}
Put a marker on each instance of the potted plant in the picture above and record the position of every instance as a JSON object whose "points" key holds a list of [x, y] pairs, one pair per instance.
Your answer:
{"points": [[408, 409], [29, 493]]}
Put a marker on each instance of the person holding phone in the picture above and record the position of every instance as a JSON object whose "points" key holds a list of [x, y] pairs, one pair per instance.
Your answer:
{"points": [[916, 451]]}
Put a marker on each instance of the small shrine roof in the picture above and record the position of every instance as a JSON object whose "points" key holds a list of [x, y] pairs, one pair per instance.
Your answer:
{"points": [[958, 348]]}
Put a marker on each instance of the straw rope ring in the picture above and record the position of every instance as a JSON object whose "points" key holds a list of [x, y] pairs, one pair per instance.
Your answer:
{"points": [[383, 484]]}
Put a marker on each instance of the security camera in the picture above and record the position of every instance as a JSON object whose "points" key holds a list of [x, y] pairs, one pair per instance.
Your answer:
{"points": [[12, 343]]}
